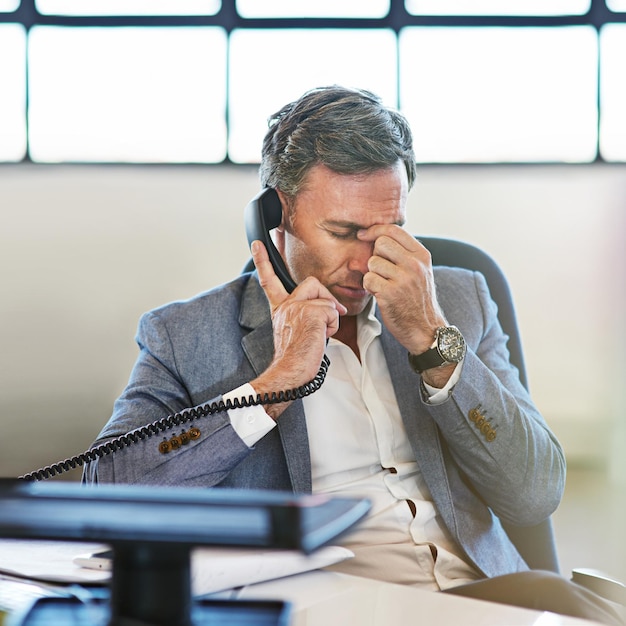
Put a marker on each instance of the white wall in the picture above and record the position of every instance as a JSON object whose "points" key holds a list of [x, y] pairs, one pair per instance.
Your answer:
{"points": [[85, 250]]}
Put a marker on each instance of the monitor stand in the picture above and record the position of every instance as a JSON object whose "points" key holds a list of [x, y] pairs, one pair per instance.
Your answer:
{"points": [[151, 584]]}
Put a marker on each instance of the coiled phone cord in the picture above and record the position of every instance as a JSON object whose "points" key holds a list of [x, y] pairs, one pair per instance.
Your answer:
{"points": [[185, 416]]}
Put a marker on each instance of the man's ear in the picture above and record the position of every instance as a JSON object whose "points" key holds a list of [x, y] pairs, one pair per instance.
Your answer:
{"points": [[285, 204]]}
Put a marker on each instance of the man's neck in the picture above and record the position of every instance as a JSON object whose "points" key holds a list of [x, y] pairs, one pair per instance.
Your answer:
{"points": [[347, 333]]}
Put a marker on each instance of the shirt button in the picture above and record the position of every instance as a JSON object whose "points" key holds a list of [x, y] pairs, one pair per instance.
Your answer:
{"points": [[251, 418]]}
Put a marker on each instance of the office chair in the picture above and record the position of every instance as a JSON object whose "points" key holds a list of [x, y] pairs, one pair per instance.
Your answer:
{"points": [[536, 544]]}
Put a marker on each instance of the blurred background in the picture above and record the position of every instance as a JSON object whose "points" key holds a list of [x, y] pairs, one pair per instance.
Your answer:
{"points": [[130, 133]]}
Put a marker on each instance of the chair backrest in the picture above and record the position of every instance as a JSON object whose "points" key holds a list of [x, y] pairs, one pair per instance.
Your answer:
{"points": [[536, 544]]}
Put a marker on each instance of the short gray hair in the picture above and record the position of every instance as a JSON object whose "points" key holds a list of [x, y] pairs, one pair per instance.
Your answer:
{"points": [[349, 131]]}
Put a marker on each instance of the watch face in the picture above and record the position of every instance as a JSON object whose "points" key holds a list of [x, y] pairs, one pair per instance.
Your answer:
{"points": [[451, 344]]}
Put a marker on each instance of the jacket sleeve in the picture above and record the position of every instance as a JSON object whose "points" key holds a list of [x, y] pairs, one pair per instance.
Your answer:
{"points": [[156, 390], [493, 431]]}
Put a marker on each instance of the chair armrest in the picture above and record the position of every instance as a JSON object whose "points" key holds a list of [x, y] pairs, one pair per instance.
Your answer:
{"points": [[601, 583]]}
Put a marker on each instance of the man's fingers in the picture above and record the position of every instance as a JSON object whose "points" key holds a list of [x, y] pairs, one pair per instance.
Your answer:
{"points": [[271, 284], [392, 231], [311, 289]]}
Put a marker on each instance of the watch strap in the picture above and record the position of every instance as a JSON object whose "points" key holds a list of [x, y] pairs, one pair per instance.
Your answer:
{"points": [[425, 361]]}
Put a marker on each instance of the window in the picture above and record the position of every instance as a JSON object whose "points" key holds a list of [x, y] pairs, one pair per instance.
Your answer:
{"points": [[128, 7], [307, 8], [258, 88], [9, 5], [13, 100], [498, 7], [613, 93], [194, 81], [131, 95], [512, 95]]}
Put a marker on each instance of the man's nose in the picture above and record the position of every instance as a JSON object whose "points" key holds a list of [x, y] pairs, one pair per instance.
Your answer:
{"points": [[360, 255]]}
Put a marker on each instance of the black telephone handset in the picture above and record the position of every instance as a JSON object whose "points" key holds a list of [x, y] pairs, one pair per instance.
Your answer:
{"points": [[262, 214]]}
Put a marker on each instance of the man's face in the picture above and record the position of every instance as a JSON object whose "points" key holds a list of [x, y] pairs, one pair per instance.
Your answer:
{"points": [[321, 240]]}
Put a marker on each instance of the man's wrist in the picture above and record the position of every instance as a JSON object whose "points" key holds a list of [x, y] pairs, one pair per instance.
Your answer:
{"points": [[436, 395], [266, 385], [438, 377]]}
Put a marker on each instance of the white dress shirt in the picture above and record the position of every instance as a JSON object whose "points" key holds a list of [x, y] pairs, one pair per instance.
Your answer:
{"points": [[359, 448]]}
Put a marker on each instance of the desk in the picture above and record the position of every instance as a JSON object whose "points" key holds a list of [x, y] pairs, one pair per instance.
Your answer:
{"points": [[318, 598], [322, 598]]}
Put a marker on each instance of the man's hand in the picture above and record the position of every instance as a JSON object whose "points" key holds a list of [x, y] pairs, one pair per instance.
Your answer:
{"points": [[401, 278], [302, 322]]}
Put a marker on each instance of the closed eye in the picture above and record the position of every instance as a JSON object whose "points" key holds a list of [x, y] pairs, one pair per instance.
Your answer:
{"points": [[342, 230], [351, 234]]}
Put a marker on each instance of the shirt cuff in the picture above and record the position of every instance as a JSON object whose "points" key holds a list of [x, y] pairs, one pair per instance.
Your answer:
{"points": [[437, 396], [251, 423]]}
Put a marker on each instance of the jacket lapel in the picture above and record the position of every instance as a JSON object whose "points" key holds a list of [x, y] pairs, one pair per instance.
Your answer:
{"points": [[258, 346]]}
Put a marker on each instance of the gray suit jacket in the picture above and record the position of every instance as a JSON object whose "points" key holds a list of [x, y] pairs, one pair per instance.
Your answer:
{"points": [[485, 453]]}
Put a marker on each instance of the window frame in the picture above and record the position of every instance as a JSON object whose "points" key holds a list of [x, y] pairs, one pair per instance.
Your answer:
{"points": [[398, 18]]}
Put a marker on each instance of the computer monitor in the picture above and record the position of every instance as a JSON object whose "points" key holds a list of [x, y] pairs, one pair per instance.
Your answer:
{"points": [[153, 529]]}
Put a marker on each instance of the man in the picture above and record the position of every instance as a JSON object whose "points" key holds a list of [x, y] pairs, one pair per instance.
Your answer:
{"points": [[393, 419]]}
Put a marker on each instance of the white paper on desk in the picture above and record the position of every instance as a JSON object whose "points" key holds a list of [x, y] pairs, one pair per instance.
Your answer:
{"points": [[48, 561], [217, 569], [212, 569]]}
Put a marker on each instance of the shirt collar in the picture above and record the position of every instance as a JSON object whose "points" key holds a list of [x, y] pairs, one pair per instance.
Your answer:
{"points": [[368, 327]]}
